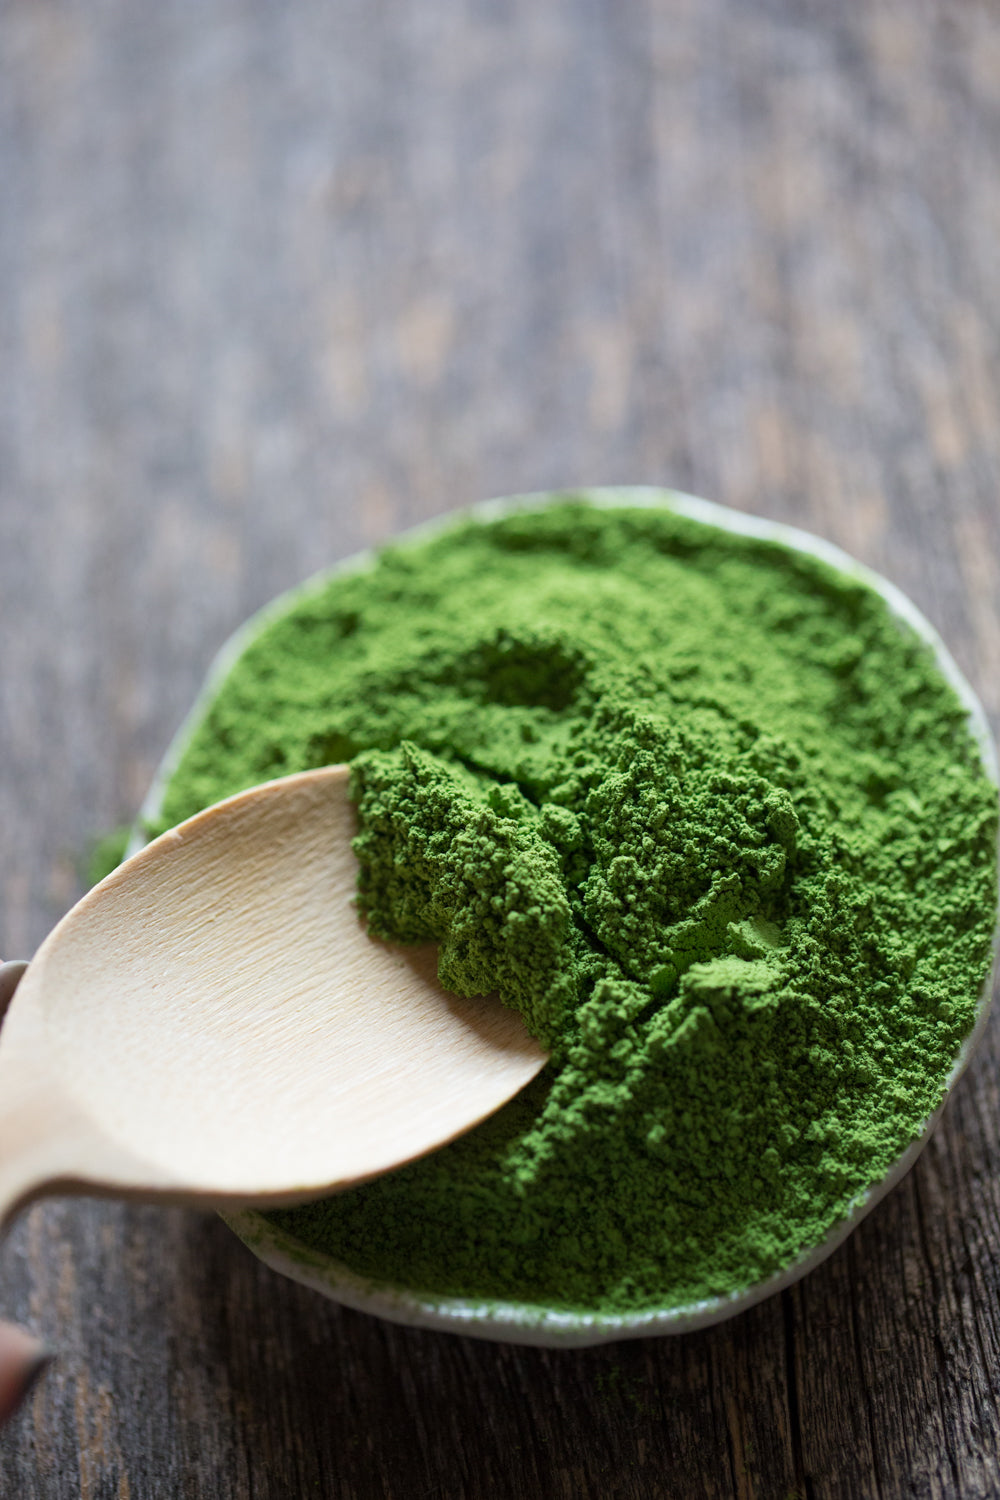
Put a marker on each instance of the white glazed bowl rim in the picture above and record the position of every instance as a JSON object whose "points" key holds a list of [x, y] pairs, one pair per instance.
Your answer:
{"points": [[532, 1323]]}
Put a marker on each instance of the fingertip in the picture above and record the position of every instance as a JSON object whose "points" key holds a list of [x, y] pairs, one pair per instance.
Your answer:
{"points": [[23, 1360]]}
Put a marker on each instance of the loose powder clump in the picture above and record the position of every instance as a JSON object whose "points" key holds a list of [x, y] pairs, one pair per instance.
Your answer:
{"points": [[708, 815]]}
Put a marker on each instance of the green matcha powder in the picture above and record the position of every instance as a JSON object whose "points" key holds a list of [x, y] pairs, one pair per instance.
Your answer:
{"points": [[707, 815]]}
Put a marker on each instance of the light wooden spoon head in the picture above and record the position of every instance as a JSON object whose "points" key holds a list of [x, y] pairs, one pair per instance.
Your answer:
{"points": [[213, 1022]]}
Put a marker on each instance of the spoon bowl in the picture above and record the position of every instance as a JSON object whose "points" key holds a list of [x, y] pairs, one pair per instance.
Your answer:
{"points": [[212, 1023]]}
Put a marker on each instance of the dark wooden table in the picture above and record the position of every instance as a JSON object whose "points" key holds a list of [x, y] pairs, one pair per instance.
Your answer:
{"points": [[276, 280]]}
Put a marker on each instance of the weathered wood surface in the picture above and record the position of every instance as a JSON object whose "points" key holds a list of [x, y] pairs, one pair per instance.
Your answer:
{"points": [[276, 280]]}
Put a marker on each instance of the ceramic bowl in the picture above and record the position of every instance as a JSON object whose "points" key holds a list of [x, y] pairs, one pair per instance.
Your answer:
{"points": [[530, 1323]]}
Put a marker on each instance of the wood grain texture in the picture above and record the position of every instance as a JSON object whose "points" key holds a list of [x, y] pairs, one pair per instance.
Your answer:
{"points": [[276, 281]]}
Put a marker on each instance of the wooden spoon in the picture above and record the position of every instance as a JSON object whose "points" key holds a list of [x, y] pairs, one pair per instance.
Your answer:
{"points": [[212, 1023]]}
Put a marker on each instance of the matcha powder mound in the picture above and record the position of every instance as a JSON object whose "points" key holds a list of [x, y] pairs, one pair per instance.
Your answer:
{"points": [[707, 815]]}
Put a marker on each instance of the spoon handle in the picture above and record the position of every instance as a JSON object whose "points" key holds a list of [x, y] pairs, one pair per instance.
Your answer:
{"points": [[22, 1356], [47, 1142], [11, 1107], [35, 1125]]}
